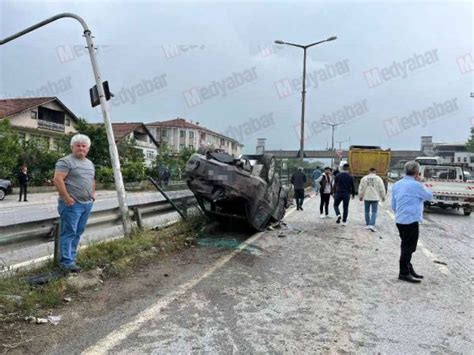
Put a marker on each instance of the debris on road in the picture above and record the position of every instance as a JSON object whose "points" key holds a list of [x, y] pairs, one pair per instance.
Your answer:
{"points": [[281, 235], [67, 299], [54, 320], [41, 320], [439, 262]]}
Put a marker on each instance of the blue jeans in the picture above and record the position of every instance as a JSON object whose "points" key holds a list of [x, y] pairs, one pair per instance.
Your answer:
{"points": [[370, 218], [317, 186], [73, 221]]}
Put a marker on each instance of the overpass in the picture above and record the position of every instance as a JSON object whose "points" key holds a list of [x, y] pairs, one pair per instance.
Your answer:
{"points": [[397, 155]]}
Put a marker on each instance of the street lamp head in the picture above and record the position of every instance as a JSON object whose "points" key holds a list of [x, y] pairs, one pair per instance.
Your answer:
{"points": [[279, 42], [331, 38]]}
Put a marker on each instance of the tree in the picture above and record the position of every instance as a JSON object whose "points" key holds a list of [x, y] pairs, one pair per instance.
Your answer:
{"points": [[470, 142], [9, 150], [40, 161]]}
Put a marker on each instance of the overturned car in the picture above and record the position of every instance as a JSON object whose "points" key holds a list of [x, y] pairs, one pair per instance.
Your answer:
{"points": [[245, 188]]}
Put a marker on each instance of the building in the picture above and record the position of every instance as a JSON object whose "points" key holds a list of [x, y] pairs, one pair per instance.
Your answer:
{"points": [[44, 119], [448, 153], [141, 135], [179, 133]]}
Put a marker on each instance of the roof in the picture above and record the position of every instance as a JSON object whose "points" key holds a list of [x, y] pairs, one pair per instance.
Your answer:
{"points": [[125, 128], [10, 107], [182, 123]]}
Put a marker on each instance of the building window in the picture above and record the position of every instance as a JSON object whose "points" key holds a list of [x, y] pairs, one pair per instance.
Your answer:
{"points": [[182, 134], [222, 141], [465, 159], [191, 147], [191, 135], [150, 155], [459, 159], [67, 122], [34, 115], [181, 146]]}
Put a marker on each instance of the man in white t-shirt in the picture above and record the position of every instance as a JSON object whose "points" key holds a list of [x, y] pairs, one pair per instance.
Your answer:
{"points": [[371, 191]]}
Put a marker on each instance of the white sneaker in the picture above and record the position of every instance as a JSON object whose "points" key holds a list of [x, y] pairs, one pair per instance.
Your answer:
{"points": [[328, 216], [344, 223], [367, 227], [322, 216], [372, 228]]}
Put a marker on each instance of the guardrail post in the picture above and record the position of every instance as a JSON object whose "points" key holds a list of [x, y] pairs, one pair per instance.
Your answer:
{"points": [[138, 217], [57, 246], [184, 207]]}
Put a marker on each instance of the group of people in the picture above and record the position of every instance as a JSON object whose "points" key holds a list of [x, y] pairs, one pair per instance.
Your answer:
{"points": [[408, 197], [341, 186]]}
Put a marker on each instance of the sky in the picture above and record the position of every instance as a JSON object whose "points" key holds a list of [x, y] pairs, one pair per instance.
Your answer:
{"points": [[398, 70]]}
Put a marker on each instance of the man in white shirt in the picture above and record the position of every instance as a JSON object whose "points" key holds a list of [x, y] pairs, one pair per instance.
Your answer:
{"points": [[371, 191]]}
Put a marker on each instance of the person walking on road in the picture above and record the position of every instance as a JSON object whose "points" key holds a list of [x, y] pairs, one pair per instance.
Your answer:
{"points": [[371, 191], [408, 197], [23, 179], [74, 178], [343, 189], [326, 182], [315, 176], [298, 180]]}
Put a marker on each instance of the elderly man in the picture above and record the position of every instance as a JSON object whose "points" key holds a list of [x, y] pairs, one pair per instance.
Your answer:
{"points": [[74, 178], [408, 196]]}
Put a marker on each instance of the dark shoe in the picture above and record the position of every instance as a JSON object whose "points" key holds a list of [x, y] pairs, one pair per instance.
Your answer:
{"points": [[413, 273], [25, 200], [338, 220], [301, 208], [75, 269], [408, 278]]}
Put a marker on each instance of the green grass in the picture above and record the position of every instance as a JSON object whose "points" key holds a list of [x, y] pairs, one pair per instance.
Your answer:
{"points": [[117, 258]]}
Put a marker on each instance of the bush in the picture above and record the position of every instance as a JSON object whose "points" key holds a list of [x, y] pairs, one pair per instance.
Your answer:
{"points": [[133, 172], [104, 175]]}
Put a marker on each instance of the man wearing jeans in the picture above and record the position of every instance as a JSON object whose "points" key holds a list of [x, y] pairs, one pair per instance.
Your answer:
{"points": [[408, 196], [74, 178], [371, 190], [343, 189]]}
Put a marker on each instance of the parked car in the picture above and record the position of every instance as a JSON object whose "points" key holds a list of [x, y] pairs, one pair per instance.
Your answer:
{"points": [[246, 188], [5, 188]]}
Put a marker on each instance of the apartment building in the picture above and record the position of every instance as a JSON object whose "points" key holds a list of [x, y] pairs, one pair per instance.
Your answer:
{"points": [[179, 133]]}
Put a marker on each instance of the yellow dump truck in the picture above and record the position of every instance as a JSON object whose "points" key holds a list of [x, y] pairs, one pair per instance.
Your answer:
{"points": [[362, 158]]}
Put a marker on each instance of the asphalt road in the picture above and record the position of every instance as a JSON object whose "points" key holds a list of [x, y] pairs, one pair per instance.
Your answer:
{"points": [[312, 286]]}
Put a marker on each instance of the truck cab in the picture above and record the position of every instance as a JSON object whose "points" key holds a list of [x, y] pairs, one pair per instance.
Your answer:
{"points": [[449, 186]]}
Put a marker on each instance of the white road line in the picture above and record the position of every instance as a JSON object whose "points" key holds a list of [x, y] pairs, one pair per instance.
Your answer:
{"points": [[117, 336], [442, 268]]}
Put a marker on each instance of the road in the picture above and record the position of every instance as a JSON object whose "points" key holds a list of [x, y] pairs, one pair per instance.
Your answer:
{"points": [[312, 286]]}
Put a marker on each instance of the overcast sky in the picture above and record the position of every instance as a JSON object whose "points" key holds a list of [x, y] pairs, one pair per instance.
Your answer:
{"points": [[397, 71]]}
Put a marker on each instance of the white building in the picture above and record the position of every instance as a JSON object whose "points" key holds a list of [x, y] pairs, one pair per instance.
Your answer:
{"points": [[178, 134]]}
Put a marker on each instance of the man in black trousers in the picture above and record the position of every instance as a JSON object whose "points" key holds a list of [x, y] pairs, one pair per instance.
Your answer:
{"points": [[343, 190], [298, 180], [23, 182]]}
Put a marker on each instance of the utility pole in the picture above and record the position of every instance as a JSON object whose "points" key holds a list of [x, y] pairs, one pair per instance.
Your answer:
{"points": [[104, 108], [333, 126]]}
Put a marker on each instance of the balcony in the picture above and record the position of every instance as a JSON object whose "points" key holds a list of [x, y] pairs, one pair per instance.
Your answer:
{"points": [[51, 126]]}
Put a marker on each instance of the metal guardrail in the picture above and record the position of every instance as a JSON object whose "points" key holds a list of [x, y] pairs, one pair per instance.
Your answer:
{"points": [[102, 218]]}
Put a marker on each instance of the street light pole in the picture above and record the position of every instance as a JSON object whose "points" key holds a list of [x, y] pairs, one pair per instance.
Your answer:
{"points": [[114, 157], [303, 91], [333, 126]]}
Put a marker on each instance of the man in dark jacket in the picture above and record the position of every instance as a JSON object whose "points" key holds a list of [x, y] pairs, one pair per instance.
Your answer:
{"points": [[23, 182], [343, 189], [298, 180]]}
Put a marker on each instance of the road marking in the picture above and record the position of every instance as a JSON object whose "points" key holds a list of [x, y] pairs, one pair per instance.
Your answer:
{"points": [[442, 268], [117, 336]]}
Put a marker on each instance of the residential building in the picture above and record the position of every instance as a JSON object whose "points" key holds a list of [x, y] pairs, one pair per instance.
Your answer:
{"points": [[179, 133], [44, 119], [143, 138]]}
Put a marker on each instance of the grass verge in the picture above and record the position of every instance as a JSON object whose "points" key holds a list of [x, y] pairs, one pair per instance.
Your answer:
{"points": [[116, 258]]}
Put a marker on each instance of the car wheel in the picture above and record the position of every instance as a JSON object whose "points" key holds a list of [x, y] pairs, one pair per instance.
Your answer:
{"points": [[2, 194], [467, 211]]}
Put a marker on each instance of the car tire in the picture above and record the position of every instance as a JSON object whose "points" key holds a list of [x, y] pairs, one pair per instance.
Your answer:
{"points": [[3, 193], [467, 211]]}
